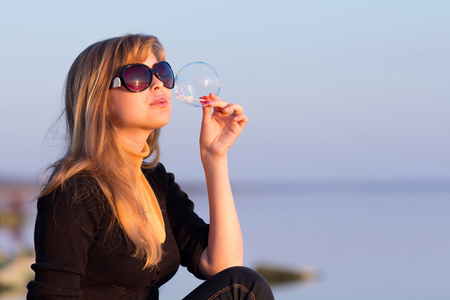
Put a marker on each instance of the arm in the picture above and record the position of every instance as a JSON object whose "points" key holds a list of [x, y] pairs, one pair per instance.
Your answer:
{"points": [[64, 231], [219, 131]]}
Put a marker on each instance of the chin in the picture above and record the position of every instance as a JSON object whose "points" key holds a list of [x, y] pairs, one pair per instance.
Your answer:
{"points": [[164, 123], [160, 122], [160, 119]]}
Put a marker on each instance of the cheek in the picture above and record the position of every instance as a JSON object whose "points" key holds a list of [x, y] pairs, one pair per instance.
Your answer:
{"points": [[168, 94], [112, 108], [117, 110]]}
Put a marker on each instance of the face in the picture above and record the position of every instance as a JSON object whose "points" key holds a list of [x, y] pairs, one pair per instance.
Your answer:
{"points": [[136, 115]]}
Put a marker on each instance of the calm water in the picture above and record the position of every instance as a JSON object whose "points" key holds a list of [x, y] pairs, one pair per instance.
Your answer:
{"points": [[368, 240]]}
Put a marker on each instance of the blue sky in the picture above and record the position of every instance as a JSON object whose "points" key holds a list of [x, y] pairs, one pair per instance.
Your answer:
{"points": [[333, 89]]}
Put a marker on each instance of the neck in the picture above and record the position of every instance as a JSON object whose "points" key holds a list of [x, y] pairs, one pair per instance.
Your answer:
{"points": [[136, 142]]}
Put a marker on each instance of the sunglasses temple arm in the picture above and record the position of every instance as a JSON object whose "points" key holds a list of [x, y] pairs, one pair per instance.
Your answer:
{"points": [[116, 83]]}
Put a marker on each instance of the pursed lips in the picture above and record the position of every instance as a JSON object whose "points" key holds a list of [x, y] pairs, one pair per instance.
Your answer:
{"points": [[160, 101]]}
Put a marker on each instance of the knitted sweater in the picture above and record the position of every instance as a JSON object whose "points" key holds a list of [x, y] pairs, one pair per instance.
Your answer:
{"points": [[79, 256]]}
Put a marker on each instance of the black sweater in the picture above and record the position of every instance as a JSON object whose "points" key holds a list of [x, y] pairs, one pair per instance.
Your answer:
{"points": [[79, 256]]}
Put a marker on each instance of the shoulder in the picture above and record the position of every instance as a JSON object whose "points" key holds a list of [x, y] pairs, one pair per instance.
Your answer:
{"points": [[79, 187], [163, 183], [158, 171], [76, 195], [158, 176]]}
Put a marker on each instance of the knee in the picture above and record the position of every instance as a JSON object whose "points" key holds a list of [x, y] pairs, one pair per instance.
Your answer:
{"points": [[241, 271], [251, 280]]}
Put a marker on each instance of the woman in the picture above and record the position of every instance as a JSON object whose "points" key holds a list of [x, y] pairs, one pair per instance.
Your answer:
{"points": [[110, 226]]}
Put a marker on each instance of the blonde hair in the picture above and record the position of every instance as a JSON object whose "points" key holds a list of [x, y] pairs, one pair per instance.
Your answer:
{"points": [[93, 145]]}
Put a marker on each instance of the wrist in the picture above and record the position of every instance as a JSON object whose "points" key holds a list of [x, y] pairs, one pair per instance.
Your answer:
{"points": [[207, 154], [213, 159]]}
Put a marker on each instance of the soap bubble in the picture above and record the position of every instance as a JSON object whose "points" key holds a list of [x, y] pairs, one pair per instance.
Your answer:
{"points": [[196, 80]]}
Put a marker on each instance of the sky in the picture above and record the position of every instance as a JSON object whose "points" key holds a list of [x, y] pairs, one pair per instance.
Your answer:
{"points": [[336, 90]]}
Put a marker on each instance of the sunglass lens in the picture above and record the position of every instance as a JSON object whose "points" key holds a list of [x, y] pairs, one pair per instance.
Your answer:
{"points": [[165, 74], [137, 78]]}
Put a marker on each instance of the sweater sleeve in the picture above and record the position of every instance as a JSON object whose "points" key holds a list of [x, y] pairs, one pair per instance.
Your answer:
{"points": [[66, 222], [190, 231]]}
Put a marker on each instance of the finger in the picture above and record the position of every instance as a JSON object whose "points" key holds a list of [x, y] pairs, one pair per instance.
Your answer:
{"points": [[206, 111], [235, 108], [206, 101], [216, 101], [242, 119], [219, 104]]}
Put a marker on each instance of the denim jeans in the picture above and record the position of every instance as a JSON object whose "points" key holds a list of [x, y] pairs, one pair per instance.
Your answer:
{"points": [[237, 283]]}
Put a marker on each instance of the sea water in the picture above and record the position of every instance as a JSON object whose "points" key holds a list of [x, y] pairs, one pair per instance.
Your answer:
{"points": [[365, 239]]}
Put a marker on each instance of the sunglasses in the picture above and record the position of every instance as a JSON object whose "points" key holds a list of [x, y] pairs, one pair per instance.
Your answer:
{"points": [[138, 77]]}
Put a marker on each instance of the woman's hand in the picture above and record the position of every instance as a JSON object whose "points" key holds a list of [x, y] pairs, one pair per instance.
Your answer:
{"points": [[221, 127]]}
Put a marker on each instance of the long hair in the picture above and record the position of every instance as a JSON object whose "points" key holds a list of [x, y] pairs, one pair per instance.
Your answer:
{"points": [[92, 144]]}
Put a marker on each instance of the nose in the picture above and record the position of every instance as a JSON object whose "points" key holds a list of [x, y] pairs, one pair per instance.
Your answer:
{"points": [[156, 83]]}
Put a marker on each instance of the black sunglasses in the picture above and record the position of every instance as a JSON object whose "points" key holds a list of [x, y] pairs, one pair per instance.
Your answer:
{"points": [[138, 77]]}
